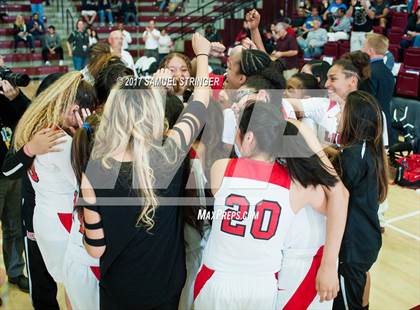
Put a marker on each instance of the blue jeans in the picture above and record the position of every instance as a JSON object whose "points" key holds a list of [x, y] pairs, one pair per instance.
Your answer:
{"points": [[79, 62], [108, 15], [416, 41], [38, 8], [128, 16], [309, 52]]}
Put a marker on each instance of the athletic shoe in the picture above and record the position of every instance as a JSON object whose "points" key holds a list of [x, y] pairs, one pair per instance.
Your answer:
{"points": [[60, 63], [22, 283], [47, 63]]}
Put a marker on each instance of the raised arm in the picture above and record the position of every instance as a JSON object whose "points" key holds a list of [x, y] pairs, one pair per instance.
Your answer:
{"points": [[253, 20]]}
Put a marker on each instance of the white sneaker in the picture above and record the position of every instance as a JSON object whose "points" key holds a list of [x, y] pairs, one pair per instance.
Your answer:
{"points": [[47, 63], [60, 63]]}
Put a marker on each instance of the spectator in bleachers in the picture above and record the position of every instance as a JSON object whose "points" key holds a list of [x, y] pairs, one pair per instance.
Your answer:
{"points": [[309, 22], [21, 34], [363, 16], [115, 9], [127, 36], [413, 31], [383, 82], [381, 8], [36, 28], [93, 36], [104, 8], [89, 9], [341, 27], [151, 38], [37, 7], [165, 44], [115, 40], [52, 45], [269, 41], [129, 11], [299, 21], [286, 49], [331, 13], [212, 34], [313, 45], [78, 45]]}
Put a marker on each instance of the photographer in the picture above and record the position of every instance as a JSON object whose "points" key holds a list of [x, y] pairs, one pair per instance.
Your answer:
{"points": [[13, 104]]}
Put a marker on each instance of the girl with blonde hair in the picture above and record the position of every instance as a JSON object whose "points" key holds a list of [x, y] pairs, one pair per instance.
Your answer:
{"points": [[20, 34], [51, 174], [138, 237]]}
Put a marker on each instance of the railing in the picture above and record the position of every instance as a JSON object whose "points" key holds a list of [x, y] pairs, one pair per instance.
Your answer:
{"points": [[60, 7], [69, 15], [230, 8]]}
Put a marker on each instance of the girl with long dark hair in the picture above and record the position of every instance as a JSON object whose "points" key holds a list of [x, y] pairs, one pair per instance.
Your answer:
{"points": [[363, 167]]}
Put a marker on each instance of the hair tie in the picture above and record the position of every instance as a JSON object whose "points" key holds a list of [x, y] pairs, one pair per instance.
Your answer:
{"points": [[87, 127]]}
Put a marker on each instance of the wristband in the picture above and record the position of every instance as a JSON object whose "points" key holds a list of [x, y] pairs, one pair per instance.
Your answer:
{"points": [[202, 55]]}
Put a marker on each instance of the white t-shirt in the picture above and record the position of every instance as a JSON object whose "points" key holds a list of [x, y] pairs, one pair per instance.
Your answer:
{"points": [[127, 39], [165, 44], [151, 43], [128, 60]]}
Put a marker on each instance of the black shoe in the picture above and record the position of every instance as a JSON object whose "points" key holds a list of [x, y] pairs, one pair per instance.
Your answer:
{"points": [[22, 282]]}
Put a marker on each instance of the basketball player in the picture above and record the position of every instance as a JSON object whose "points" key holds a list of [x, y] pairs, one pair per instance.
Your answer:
{"points": [[51, 175], [256, 200]]}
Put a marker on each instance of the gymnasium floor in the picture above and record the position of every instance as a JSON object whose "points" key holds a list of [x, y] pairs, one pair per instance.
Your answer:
{"points": [[395, 276]]}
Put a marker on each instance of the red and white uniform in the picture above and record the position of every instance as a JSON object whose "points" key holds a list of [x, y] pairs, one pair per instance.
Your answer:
{"points": [[55, 186], [252, 215], [81, 271], [302, 256], [324, 113]]}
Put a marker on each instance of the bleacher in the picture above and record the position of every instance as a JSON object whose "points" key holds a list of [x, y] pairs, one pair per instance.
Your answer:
{"points": [[32, 64]]}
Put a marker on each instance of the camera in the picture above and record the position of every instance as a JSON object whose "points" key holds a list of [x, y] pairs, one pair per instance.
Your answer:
{"points": [[16, 79]]}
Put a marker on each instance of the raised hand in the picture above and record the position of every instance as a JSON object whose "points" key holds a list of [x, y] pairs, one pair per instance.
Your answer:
{"points": [[253, 19], [200, 44]]}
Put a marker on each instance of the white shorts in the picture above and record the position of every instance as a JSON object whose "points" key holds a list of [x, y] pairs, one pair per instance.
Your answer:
{"points": [[81, 272], [224, 291], [52, 238], [296, 284], [88, 13], [82, 284]]}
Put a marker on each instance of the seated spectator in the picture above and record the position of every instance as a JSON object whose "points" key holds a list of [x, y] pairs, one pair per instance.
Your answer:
{"points": [[269, 41], [212, 34], [21, 34], [104, 8], [381, 8], [299, 21], [93, 36], [165, 44], [309, 22], [127, 36], [36, 7], [89, 9], [115, 9], [331, 14], [52, 45], [36, 28], [286, 49], [129, 11], [413, 31], [313, 45], [341, 27]]}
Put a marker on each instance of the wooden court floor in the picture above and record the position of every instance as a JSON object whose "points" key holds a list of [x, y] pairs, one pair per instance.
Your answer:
{"points": [[395, 276]]}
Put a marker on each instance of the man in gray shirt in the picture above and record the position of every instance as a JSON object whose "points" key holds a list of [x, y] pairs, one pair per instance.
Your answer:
{"points": [[313, 45], [52, 45]]}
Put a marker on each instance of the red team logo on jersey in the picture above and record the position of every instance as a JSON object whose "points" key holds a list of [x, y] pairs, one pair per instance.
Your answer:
{"points": [[33, 175]]}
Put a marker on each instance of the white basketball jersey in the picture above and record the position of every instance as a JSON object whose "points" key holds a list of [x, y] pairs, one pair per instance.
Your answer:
{"points": [[252, 215], [53, 180]]}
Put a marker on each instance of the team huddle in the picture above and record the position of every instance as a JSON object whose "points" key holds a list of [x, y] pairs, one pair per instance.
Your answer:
{"points": [[124, 177]]}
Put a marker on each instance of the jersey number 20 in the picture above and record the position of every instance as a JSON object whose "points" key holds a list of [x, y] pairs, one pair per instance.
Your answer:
{"points": [[262, 209]]}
